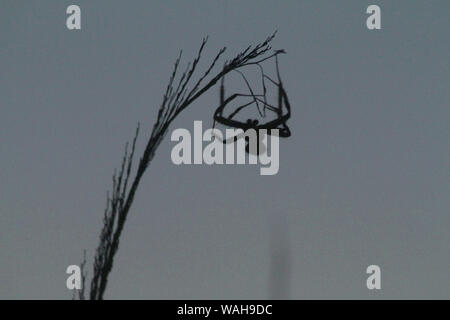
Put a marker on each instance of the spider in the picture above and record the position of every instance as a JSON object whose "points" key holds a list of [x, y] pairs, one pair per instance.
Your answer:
{"points": [[278, 123]]}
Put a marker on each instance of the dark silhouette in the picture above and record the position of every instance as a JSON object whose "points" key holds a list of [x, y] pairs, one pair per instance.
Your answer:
{"points": [[283, 114], [176, 98]]}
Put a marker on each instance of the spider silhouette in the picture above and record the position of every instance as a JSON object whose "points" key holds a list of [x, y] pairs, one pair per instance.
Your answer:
{"points": [[282, 111]]}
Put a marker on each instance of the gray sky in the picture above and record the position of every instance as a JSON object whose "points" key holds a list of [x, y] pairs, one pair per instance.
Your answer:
{"points": [[363, 180]]}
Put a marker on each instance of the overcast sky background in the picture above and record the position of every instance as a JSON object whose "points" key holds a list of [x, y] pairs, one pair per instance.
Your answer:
{"points": [[363, 180]]}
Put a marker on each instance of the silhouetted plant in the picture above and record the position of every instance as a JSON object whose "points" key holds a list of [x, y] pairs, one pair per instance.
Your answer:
{"points": [[177, 97]]}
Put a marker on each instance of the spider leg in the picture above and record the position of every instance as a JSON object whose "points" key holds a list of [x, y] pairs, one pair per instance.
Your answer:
{"points": [[280, 100], [222, 106], [235, 112], [251, 90]]}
